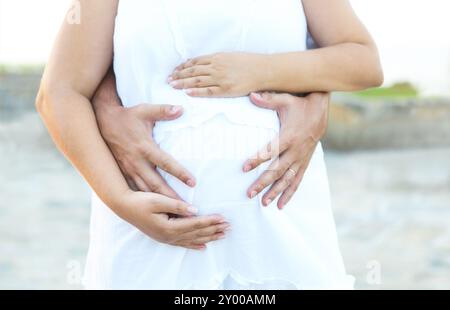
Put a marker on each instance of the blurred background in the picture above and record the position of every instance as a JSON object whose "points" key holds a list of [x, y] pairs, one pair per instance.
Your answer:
{"points": [[387, 152]]}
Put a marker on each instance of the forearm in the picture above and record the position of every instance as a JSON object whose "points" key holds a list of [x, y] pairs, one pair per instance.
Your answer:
{"points": [[71, 122], [343, 67], [106, 95]]}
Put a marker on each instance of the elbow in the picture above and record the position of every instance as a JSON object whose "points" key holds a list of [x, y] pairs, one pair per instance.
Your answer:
{"points": [[376, 77], [44, 105], [46, 99], [373, 75], [40, 101]]}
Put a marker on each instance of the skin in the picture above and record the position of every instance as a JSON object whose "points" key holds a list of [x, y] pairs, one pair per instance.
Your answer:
{"points": [[67, 89], [126, 131], [303, 123], [347, 61]]}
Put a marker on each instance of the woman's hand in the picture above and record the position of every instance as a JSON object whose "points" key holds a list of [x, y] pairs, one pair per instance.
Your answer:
{"points": [[170, 221], [303, 123], [220, 75]]}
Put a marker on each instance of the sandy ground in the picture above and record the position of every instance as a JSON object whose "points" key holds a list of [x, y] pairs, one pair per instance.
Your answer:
{"points": [[392, 211]]}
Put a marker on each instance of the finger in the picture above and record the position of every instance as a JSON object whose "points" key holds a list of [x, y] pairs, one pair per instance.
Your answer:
{"points": [[193, 82], [131, 184], [159, 112], [201, 70], [291, 190], [212, 91], [184, 225], [281, 184], [206, 232], [191, 246], [286, 197], [197, 247], [141, 184], [272, 150], [168, 205], [271, 101], [166, 162], [156, 183], [204, 240], [275, 171], [201, 60]]}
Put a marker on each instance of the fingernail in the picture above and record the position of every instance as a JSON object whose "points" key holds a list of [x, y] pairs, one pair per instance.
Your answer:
{"points": [[175, 109], [190, 183], [192, 210], [220, 219], [247, 168], [268, 201], [253, 194], [169, 79], [257, 96], [174, 83], [189, 91]]}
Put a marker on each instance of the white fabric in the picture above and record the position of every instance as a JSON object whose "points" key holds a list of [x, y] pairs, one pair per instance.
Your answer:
{"points": [[267, 248]]}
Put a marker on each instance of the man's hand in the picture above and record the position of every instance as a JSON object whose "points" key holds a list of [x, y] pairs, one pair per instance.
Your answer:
{"points": [[128, 133], [303, 124]]}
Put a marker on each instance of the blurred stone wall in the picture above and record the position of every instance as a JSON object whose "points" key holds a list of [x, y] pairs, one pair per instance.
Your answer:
{"points": [[376, 123], [355, 123], [17, 93]]}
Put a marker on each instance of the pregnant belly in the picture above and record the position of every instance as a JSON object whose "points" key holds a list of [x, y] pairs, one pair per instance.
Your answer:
{"points": [[215, 151]]}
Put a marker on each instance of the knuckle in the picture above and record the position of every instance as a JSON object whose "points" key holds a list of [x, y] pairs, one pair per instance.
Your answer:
{"points": [[198, 224], [162, 110], [164, 163], [180, 208], [172, 232], [145, 149], [182, 176], [204, 223], [278, 172], [155, 188], [289, 139]]}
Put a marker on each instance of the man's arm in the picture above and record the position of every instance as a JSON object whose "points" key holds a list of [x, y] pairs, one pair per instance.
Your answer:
{"points": [[106, 96]]}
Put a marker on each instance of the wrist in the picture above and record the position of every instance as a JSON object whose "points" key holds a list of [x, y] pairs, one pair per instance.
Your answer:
{"points": [[318, 110], [264, 75], [121, 204], [107, 115]]}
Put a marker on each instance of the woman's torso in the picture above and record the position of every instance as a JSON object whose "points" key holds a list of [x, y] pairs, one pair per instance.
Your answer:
{"points": [[152, 37], [296, 247]]}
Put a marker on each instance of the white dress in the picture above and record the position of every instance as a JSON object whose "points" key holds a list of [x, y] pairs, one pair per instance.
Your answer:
{"points": [[267, 248]]}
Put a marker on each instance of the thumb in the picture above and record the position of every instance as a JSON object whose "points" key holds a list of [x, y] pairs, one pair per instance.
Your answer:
{"points": [[267, 100], [160, 112], [165, 204]]}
